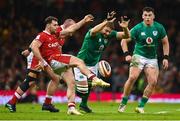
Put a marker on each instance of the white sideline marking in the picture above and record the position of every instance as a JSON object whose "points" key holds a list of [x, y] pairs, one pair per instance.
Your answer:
{"points": [[161, 112]]}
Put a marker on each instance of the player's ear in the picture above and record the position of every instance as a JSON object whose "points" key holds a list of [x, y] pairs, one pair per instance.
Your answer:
{"points": [[142, 16]]}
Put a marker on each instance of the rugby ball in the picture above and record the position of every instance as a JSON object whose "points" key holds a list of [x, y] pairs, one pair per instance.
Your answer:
{"points": [[104, 68]]}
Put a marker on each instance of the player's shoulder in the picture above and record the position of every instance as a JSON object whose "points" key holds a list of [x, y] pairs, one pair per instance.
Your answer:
{"points": [[138, 26], [41, 35], [157, 24], [88, 34]]}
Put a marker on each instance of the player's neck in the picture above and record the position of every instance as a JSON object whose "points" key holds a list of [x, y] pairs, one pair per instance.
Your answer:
{"points": [[148, 25], [47, 31]]}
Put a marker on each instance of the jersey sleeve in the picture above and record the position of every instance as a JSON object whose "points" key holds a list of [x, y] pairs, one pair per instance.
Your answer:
{"points": [[40, 38], [162, 32], [88, 35]]}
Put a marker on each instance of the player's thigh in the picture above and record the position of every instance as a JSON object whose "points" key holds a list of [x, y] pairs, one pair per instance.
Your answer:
{"points": [[51, 74], [151, 69], [134, 73], [59, 64], [68, 77], [76, 61], [137, 62], [151, 74]]}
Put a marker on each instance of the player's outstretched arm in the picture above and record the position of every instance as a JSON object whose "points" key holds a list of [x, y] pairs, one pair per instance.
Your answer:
{"points": [[99, 27], [70, 30], [124, 24]]}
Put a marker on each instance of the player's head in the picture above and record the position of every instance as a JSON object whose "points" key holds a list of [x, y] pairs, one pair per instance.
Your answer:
{"points": [[107, 29], [148, 15], [68, 22], [51, 24]]}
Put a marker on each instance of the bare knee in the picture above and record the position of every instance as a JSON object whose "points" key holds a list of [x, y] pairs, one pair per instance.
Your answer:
{"points": [[152, 82], [132, 78]]}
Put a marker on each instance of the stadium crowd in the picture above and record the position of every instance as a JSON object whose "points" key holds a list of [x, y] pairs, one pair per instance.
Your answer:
{"points": [[20, 21]]}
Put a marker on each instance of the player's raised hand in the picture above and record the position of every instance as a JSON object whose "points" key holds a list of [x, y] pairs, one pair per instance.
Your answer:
{"points": [[110, 16], [89, 18], [124, 23]]}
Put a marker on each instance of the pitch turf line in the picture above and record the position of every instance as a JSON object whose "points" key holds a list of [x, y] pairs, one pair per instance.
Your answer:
{"points": [[164, 112]]}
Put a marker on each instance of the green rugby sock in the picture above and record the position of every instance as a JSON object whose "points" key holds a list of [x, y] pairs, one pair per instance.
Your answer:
{"points": [[143, 102], [124, 100]]}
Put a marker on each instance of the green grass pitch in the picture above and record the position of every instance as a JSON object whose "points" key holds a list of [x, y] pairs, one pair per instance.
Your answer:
{"points": [[102, 111]]}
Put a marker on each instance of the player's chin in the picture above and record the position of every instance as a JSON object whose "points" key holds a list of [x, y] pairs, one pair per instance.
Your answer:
{"points": [[148, 21]]}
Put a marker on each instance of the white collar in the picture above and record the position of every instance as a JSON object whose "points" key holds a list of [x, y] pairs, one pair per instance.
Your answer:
{"points": [[46, 32]]}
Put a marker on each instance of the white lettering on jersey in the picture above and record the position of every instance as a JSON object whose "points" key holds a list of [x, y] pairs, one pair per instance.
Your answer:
{"points": [[53, 44], [143, 33]]}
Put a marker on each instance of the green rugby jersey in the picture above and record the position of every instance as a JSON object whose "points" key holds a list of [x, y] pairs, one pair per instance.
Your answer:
{"points": [[147, 39], [93, 47]]}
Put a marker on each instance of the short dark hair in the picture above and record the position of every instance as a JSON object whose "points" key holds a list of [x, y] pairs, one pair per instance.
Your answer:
{"points": [[49, 19], [110, 25], [148, 9]]}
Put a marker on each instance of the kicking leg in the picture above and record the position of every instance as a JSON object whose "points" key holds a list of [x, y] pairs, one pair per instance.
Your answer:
{"points": [[84, 70]]}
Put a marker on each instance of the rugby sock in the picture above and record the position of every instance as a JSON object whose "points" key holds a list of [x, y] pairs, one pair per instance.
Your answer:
{"points": [[84, 100], [143, 102], [124, 100], [15, 98], [86, 96], [71, 105], [48, 99]]}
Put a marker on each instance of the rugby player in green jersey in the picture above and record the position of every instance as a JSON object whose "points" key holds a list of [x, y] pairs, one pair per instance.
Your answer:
{"points": [[95, 42], [147, 36]]}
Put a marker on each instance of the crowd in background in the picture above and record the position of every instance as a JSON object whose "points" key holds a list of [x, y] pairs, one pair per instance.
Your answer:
{"points": [[21, 20]]}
